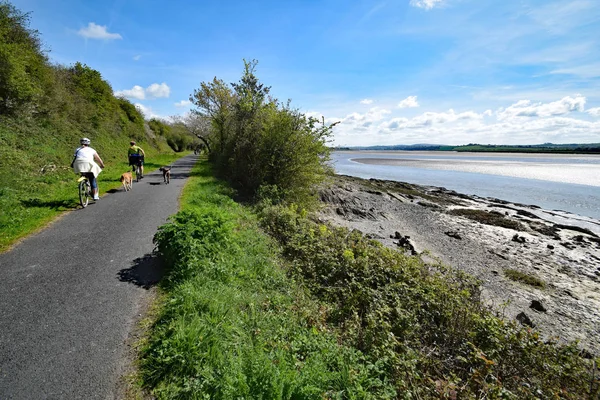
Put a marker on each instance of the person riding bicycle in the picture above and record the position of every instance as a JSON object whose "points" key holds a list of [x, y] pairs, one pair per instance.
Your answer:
{"points": [[136, 155], [84, 163]]}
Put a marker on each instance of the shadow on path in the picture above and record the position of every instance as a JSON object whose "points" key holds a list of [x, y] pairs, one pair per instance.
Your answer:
{"points": [[60, 205], [145, 272]]}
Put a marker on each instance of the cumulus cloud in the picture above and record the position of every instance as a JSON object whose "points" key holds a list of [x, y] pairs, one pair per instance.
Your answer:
{"points": [[366, 101], [183, 103], [137, 57], [426, 4], [157, 90], [429, 119], [524, 122], [525, 108], [373, 115], [409, 102], [594, 111], [93, 31], [154, 91], [136, 92], [149, 113]]}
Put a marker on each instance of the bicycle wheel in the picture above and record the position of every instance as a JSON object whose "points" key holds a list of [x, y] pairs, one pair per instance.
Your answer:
{"points": [[137, 173], [84, 193]]}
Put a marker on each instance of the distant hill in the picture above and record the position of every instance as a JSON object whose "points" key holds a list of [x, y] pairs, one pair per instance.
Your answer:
{"points": [[571, 148]]}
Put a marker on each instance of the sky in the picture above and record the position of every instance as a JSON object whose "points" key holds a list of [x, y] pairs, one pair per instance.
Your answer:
{"points": [[391, 72]]}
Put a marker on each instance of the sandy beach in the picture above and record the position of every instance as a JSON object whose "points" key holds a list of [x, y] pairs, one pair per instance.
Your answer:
{"points": [[490, 239]]}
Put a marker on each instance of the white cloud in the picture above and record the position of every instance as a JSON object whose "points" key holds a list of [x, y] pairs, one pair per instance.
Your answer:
{"points": [[523, 122], [366, 119], [426, 4], [149, 113], [137, 57], [525, 108], [409, 102], [156, 90], [366, 101], [583, 71], [153, 91], [93, 31], [183, 103], [136, 92], [429, 119]]}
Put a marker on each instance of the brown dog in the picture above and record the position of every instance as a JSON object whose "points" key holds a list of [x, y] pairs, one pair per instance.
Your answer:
{"points": [[127, 180], [166, 174]]}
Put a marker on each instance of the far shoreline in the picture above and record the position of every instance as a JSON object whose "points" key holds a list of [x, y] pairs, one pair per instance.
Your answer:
{"points": [[574, 188]]}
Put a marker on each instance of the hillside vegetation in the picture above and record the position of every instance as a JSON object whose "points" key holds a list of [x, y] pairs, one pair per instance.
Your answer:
{"points": [[44, 110]]}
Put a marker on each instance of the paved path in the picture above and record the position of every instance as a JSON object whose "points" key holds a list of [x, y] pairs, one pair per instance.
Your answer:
{"points": [[70, 295]]}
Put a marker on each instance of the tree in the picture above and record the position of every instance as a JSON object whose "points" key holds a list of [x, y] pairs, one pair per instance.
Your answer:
{"points": [[197, 125], [215, 102]]}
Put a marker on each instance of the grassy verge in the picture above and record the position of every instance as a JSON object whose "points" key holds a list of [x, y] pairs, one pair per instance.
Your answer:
{"points": [[30, 200], [232, 324], [522, 277], [493, 218], [327, 313]]}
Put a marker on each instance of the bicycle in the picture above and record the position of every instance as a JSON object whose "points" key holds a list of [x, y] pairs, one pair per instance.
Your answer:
{"points": [[137, 168], [85, 190]]}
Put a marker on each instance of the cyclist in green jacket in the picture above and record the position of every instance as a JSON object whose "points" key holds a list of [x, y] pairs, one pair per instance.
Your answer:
{"points": [[136, 155]]}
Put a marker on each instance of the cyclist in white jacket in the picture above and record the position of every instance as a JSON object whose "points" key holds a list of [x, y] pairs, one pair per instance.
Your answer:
{"points": [[84, 163]]}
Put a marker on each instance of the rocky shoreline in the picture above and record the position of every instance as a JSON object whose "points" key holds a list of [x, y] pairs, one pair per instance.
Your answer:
{"points": [[539, 267]]}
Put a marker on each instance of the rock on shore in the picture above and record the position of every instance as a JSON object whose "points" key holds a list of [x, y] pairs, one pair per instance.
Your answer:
{"points": [[538, 267]]}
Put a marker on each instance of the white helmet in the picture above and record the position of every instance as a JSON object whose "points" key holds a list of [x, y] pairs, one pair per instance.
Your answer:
{"points": [[84, 140]]}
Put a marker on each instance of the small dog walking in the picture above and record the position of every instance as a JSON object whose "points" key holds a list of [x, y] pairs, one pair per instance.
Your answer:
{"points": [[166, 171], [127, 180]]}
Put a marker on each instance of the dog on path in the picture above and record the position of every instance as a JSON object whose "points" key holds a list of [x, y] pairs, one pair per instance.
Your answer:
{"points": [[127, 180], [166, 171]]}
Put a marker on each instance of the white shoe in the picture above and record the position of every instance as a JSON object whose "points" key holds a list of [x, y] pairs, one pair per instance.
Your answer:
{"points": [[96, 197]]}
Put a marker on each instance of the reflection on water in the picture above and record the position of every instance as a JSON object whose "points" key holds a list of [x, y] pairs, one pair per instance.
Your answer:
{"points": [[555, 182]]}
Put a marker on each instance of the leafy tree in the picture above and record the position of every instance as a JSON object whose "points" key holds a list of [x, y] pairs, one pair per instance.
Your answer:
{"points": [[197, 125], [215, 101], [264, 148]]}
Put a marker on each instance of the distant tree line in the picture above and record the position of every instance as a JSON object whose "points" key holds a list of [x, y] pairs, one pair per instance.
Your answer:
{"points": [[574, 148]]}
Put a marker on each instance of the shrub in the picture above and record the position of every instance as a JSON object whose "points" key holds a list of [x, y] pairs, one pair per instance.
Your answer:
{"points": [[426, 320], [260, 142], [234, 326]]}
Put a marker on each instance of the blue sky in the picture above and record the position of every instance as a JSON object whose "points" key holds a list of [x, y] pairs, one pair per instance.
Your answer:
{"points": [[392, 72]]}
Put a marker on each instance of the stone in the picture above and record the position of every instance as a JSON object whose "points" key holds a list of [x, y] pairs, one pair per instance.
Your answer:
{"points": [[518, 239], [538, 306], [453, 234], [525, 320]]}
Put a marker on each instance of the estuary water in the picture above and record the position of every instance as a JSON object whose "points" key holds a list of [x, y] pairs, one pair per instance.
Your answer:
{"points": [[551, 181]]}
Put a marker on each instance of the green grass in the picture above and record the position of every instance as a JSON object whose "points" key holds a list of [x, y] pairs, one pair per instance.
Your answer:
{"points": [[522, 277], [493, 218], [232, 325], [30, 199], [328, 314]]}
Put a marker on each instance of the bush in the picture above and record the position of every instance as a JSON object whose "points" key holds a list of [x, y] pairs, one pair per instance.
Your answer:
{"points": [[233, 325], [258, 142], [426, 320], [23, 68]]}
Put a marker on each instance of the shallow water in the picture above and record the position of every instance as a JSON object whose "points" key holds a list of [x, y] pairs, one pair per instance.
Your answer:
{"points": [[555, 182]]}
